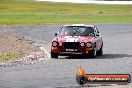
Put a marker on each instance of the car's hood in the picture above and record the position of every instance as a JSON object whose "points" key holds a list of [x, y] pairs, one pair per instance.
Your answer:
{"points": [[74, 38]]}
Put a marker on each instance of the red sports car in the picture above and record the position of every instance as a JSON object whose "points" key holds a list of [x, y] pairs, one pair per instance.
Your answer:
{"points": [[77, 39]]}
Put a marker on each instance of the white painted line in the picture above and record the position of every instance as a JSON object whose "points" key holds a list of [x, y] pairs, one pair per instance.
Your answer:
{"points": [[91, 1], [46, 52]]}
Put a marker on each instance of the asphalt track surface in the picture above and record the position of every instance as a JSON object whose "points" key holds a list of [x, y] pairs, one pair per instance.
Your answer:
{"points": [[61, 72]]}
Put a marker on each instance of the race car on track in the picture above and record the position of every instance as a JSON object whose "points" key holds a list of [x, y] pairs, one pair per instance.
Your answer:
{"points": [[77, 39]]}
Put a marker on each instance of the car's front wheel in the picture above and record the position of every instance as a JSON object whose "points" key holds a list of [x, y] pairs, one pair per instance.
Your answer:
{"points": [[54, 55], [93, 53]]}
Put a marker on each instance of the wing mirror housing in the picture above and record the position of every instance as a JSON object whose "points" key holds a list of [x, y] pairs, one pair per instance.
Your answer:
{"points": [[97, 34], [55, 34]]}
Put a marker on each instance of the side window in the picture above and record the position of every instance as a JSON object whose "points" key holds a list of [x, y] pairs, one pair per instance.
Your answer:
{"points": [[96, 32], [59, 32]]}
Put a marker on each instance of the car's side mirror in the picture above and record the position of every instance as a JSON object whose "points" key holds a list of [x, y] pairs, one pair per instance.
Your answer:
{"points": [[55, 34], [97, 34]]}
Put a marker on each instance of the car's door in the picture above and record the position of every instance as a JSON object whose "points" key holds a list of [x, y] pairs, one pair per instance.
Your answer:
{"points": [[98, 39]]}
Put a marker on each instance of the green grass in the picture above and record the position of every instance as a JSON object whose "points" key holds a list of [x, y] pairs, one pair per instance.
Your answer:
{"points": [[49, 13], [8, 56]]}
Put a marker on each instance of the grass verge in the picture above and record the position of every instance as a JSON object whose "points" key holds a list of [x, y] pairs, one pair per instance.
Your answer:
{"points": [[49, 13], [8, 56]]}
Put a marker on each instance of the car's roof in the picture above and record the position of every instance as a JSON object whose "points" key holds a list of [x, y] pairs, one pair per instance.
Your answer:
{"points": [[81, 25]]}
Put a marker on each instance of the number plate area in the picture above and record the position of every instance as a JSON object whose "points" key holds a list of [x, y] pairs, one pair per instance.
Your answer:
{"points": [[71, 50]]}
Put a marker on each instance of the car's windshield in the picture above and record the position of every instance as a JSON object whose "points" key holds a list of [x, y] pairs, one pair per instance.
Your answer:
{"points": [[77, 30]]}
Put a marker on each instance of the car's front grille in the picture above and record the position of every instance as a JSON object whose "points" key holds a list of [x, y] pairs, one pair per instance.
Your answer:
{"points": [[71, 45]]}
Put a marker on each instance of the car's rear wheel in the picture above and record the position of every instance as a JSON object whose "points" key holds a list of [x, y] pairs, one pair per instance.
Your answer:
{"points": [[54, 55], [100, 52], [93, 53]]}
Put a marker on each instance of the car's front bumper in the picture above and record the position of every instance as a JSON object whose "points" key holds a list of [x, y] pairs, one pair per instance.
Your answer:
{"points": [[70, 53], [63, 52]]}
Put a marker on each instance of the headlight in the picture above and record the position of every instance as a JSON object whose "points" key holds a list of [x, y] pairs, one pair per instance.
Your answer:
{"points": [[60, 43], [82, 44], [88, 44], [54, 44]]}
